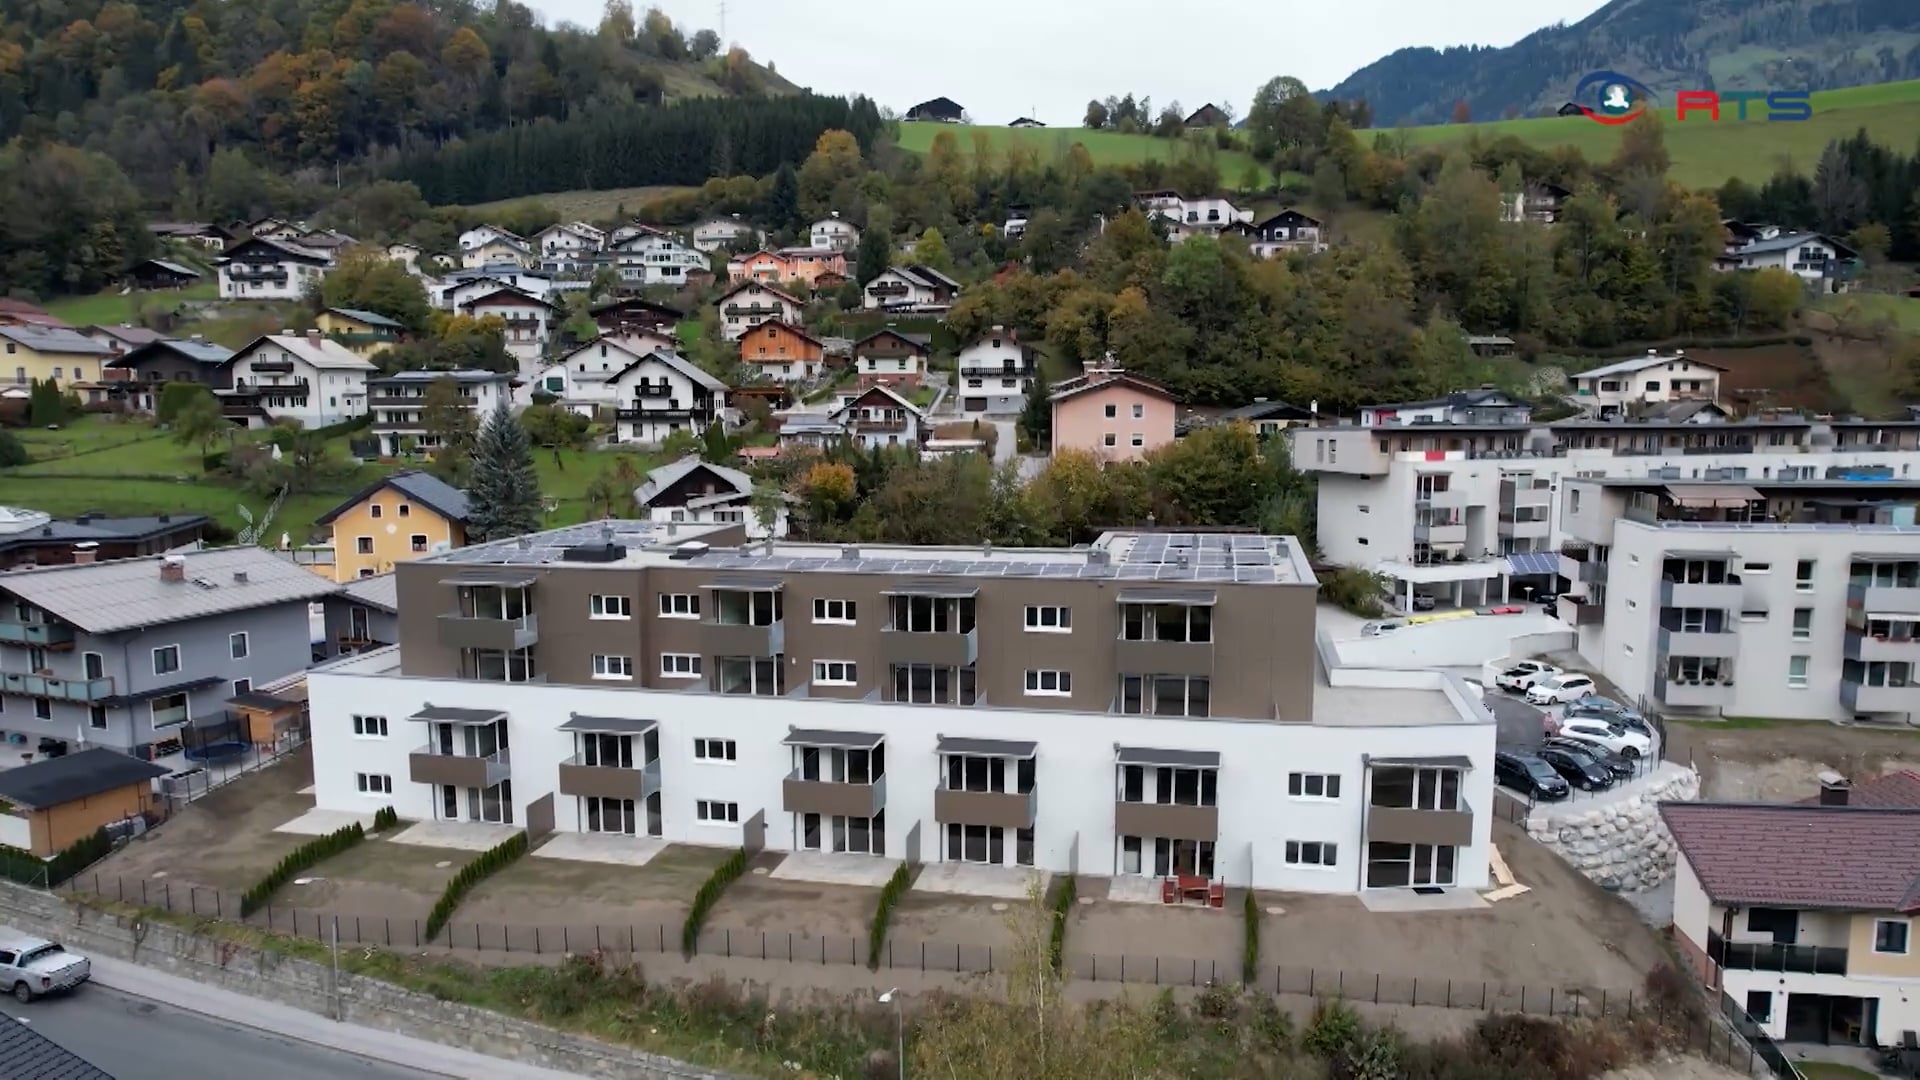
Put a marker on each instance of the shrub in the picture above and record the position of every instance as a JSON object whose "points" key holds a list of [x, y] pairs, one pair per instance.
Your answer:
{"points": [[1334, 1031], [890, 894], [1062, 903], [723, 875], [12, 451], [1355, 591], [297, 860], [18, 864], [385, 818], [1250, 959], [491, 861]]}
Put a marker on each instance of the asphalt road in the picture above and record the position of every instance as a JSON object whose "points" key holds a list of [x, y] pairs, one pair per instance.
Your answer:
{"points": [[135, 1039], [1521, 726]]}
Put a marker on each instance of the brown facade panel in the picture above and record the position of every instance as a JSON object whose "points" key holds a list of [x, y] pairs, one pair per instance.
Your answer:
{"points": [[460, 632], [943, 650], [1006, 810], [447, 769], [59, 827], [1163, 657], [844, 800], [1397, 825], [733, 639], [1166, 819], [599, 781]]}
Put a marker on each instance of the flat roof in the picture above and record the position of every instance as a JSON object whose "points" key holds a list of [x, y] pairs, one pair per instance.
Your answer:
{"points": [[1125, 557]]}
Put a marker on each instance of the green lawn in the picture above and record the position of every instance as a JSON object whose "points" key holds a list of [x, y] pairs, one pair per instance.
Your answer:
{"points": [[1105, 147], [1902, 311], [1707, 152], [112, 308], [1826, 1070]]}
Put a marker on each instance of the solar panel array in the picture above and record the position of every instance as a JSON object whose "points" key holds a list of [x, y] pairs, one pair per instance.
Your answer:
{"points": [[1188, 557]]}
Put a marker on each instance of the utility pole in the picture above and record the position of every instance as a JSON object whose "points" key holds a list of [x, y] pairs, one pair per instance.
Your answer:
{"points": [[723, 24]]}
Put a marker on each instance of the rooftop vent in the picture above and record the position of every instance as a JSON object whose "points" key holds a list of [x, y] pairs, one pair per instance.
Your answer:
{"points": [[849, 553], [173, 568], [692, 549], [239, 577], [594, 553], [1834, 789]]}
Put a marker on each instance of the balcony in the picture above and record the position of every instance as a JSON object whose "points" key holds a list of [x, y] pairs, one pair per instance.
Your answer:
{"points": [[45, 635], [84, 691], [1723, 644], [1577, 612], [1582, 567], [458, 631], [1861, 645], [939, 649], [1767, 956], [1172, 820], [1890, 598], [398, 401], [1005, 809], [1725, 595], [642, 414], [1515, 493], [746, 639], [830, 799], [1403, 825], [880, 423], [1163, 658], [608, 781], [1697, 694], [283, 367], [1452, 532], [1535, 528], [428, 765], [1443, 499], [297, 387], [1866, 698]]}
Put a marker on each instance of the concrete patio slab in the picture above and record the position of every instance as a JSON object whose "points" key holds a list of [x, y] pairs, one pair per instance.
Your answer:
{"points": [[974, 879], [608, 848], [1384, 901], [827, 868], [318, 822], [455, 835], [1134, 889]]}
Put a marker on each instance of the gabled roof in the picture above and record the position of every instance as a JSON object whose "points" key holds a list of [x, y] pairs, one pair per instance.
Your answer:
{"points": [[1106, 379], [1676, 412], [833, 221], [1289, 212], [321, 352], [1898, 790], [204, 352], [631, 302], [424, 488], [54, 340], [883, 390], [517, 296], [774, 289], [784, 325], [923, 342], [31, 1054], [170, 267], [429, 376], [1641, 363], [1847, 858], [56, 781], [131, 336], [125, 594], [1789, 241], [664, 477], [371, 318], [673, 360], [1265, 410], [99, 528], [924, 276], [379, 591], [286, 249], [1460, 399]]}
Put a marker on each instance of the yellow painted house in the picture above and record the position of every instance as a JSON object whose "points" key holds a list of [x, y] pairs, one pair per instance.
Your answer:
{"points": [[403, 516], [40, 352], [362, 332]]}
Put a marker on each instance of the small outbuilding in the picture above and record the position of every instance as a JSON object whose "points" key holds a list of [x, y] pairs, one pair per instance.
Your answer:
{"points": [[68, 798], [941, 110]]}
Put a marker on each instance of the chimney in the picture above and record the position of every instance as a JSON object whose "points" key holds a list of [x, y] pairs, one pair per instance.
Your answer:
{"points": [[313, 337], [86, 552], [239, 577], [173, 569], [1834, 789]]}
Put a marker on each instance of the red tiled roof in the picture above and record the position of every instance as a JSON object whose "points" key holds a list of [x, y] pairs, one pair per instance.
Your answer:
{"points": [[1894, 791], [1851, 858]]}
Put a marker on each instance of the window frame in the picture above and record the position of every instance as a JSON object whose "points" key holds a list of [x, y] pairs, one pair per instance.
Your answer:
{"points": [[716, 812], [690, 610], [1035, 619], [610, 607], [1906, 937], [1326, 854], [604, 667], [363, 726], [179, 658], [823, 673], [245, 644], [670, 668], [1298, 784], [1037, 682], [823, 611], [366, 782], [704, 745]]}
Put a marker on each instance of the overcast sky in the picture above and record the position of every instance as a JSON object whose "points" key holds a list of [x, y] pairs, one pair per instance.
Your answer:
{"points": [[1006, 58]]}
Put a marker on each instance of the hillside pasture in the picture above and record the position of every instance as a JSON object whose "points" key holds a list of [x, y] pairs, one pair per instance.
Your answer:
{"points": [[1104, 147], [587, 206]]}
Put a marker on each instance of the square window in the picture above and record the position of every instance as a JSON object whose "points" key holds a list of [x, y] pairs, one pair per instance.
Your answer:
{"points": [[1139, 411], [1138, 439], [363, 545], [1109, 439], [406, 510], [1890, 936], [242, 686], [374, 510], [237, 646], [417, 542], [1111, 412], [166, 660]]}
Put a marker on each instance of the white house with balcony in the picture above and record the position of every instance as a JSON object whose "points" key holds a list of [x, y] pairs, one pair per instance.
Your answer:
{"points": [[399, 403], [832, 233], [994, 373], [1814, 258], [529, 319], [662, 392], [1624, 386], [652, 258], [751, 303], [263, 269], [308, 378], [715, 233]]}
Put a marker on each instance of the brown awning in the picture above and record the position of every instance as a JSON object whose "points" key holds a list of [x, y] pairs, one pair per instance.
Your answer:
{"points": [[1709, 496]]}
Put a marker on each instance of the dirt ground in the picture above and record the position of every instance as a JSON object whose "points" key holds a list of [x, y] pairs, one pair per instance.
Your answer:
{"points": [[1203, 942], [566, 892], [961, 933], [1781, 761], [378, 878], [225, 840]]}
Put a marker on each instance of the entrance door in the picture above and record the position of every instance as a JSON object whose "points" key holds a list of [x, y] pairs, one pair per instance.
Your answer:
{"points": [[357, 624], [811, 836], [984, 844], [1130, 862], [609, 815]]}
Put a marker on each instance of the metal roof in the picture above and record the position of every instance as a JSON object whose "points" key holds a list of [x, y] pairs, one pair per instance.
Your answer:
{"points": [[99, 529], [851, 740], [424, 488], [1641, 363], [612, 725], [990, 747], [664, 477], [205, 352], [447, 714], [1145, 755], [123, 594], [380, 591], [320, 352], [54, 340]]}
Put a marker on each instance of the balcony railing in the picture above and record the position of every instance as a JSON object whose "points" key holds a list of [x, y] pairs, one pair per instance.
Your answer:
{"points": [[460, 631], [580, 777], [1687, 693], [85, 691], [1724, 595], [1007, 809], [427, 765], [1903, 600], [283, 366], [1865, 697], [1861, 645], [1768, 956], [940, 649], [1577, 612], [654, 414], [830, 798], [1722, 643], [49, 635]]}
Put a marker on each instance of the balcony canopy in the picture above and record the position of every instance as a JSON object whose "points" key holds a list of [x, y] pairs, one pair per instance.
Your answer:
{"points": [[504, 576], [951, 590], [748, 584], [986, 747], [1442, 761], [1190, 759], [1187, 597], [438, 714], [1709, 496], [847, 740], [609, 725]]}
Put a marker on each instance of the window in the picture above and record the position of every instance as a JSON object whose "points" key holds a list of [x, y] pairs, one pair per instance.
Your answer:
{"points": [[374, 783], [166, 660], [714, 750], [43, 708], [1111, 412], [1044, 619], [405, 510], [1757, 568], [1890, 936], [610, 607], [1753, 616], [1760, 1005], [1139, 411], [1803, 576], [1311, 853], [237, 645], [1165, 695], [717, 813], [417, 542], [370, 727], [94, 665], [679, 605], [1049, 683], [374, 510], [242, 686], [1797, 671], [97, 717], [1313, 785], [167, 711], [363, 545], [1109, 439], [833, 611], [835, 673], [679, 666], [612, 667], [1412, 788], [1803, 624]]}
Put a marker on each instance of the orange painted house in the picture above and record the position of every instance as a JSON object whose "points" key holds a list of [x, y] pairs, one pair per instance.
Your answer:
{"points": [[807, 264], [762, 266], [782, 352], [1112, 415]]}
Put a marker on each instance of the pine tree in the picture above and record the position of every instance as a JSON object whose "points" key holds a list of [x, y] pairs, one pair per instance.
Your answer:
{"points": [[1036, 419], [504, 499]]}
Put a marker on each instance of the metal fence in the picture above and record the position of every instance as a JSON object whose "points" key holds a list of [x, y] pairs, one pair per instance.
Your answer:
{"points": [[214, 769], [1760, 1046]]}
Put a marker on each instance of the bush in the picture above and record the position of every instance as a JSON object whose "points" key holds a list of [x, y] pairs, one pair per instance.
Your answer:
{"points": [[890, 894], [1062, 904], [18, 864], [1250, 960], [297, 860], [723, 875], [174, 398], [1334, 1031], [1354, 591], [12, 451], [385, 818], [491, 861]]}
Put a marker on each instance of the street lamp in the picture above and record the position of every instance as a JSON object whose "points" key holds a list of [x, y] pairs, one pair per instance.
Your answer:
{"points": [[900, 1028]]}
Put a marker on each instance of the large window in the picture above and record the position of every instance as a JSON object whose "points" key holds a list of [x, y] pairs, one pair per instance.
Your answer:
{"points": [[1165, 695], [734, 607], [1169, 785], [929, 684], [841, 765], [1403, 865], [972, 772], [760, 676], [1405, 788], [931, 614], [492, 665], [1166, 622]]}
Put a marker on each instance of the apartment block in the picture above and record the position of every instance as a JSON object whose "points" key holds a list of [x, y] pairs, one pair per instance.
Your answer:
{"points": [[1149, 704], [1794, 599]]}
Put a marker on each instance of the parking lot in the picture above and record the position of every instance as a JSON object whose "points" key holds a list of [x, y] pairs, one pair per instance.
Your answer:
{"points": [[1523, 727]]}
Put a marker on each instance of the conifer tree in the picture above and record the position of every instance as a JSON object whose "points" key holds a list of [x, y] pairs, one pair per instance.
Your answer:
{"points": [[504, 497]]}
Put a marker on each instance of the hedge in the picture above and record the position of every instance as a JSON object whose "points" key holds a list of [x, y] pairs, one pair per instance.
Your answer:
{"points": [[385, 818], [491, 861], [723, 875], [294, 862], [1250, 961], [18, 864], [890, 894], [1062, 904]]}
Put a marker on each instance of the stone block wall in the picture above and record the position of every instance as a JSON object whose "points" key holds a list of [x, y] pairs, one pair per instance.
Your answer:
{"points": [[1619, 841]]}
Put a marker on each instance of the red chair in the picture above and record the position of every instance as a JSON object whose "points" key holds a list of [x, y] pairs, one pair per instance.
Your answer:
{"points": [[1169, 891], [1216, 894]]}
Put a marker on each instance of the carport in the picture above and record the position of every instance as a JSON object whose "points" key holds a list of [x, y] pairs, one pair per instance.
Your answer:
{"points": [[1469, 584]]}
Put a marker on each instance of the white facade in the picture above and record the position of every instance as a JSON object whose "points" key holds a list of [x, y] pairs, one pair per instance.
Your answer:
{"points": [[1075, 776], [399, 401], [752, 303], [557, 240], [715, 233], [481, 235], [660, 393], [529, 320], [498, 250], [1653, 379], [898, 289], [1204, 214], [311, 379], [1808, 256], [878, 417], [652, 258], [285, 278], [833, 234], [995, 373]]}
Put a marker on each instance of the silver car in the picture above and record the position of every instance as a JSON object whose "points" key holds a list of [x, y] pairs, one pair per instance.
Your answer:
{"points": [[32, 967]]}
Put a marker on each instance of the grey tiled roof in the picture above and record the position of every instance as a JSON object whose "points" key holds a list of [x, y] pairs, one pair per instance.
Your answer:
{"points": [[667, 475], [29, 1055], [379, 591], [122, 594]]}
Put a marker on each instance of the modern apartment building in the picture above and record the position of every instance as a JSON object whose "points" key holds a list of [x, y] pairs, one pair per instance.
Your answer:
{"points": [[127, 654], [1797, 598], [1148, 704], [1466, 502]]}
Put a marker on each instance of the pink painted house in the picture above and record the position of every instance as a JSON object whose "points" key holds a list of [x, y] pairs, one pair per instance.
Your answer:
{"points": [[1112, 415]]}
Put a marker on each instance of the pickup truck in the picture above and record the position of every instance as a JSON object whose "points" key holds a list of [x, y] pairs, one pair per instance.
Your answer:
{"points": [[32, 967]]}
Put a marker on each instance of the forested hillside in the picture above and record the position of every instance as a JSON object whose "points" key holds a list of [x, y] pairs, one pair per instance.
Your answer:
{"points": [[157, 85], [1716, 44]]}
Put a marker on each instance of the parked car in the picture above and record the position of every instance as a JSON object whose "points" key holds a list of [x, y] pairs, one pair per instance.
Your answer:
{"points": [[1529, 775], [1524, 674], [1422, 602], [1550, 605], [32, 967], [1605, 708], [1616, 765], [1579, 769], [1565, 686], [1615, 737]]}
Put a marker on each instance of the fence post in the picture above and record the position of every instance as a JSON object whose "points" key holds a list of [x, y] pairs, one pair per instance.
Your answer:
{"points": [[169, 886], [536, 940]]}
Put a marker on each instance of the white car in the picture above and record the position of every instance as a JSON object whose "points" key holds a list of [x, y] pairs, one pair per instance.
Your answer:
{"points": [[1555, 689], [1623, 741], [30, 967], [1524, 674]]}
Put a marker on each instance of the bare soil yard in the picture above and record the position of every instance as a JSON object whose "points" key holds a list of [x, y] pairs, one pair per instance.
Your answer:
{"points": [[225, 840], [563, 892], [1780, 761]]}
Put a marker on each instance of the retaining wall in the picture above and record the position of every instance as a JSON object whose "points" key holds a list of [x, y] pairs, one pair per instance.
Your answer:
{"points": [[1619, 841]]}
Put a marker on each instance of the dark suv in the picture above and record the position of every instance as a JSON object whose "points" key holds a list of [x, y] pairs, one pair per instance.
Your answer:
{"points": [[1616, 765], [1529, 775], [1580, 770]]}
